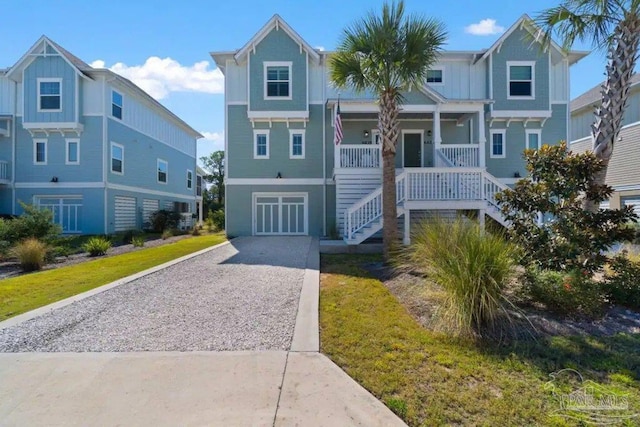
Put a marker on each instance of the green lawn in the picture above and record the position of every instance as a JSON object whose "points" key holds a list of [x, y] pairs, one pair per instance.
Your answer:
{"points": [[29, 291], [430, 379]]}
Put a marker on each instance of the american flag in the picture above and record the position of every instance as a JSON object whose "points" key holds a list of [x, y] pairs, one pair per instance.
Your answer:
{"points": [[338, 127]]}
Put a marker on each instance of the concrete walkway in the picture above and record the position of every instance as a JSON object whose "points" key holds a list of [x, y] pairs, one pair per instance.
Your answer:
{"points": [[300, 387]]}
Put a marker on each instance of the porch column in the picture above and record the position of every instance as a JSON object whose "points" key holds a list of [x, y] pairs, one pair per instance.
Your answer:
{"points": [[482, 139], [481, 218], [437, 138], [407, 227]]}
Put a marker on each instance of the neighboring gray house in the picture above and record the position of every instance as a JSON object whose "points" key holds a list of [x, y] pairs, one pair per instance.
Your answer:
{"points": [[624, 167], [463, 134]]}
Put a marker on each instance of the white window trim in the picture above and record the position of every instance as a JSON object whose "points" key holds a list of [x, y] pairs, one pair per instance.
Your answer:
{"points": [[49, 80], [113, 103], [502, 132], [267, 64], [296, 132], [36, 141], [158, 171], [113, 144], [441, 69], [531, 64], [257, 132], [189, 171], [66, 152], [528, 132]]}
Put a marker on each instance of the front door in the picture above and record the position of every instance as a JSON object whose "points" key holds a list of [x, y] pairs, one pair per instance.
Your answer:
{"points": [[412, 148]]}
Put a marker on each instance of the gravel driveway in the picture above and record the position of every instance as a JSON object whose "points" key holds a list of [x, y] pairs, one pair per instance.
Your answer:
{"points": [[241, 296]]}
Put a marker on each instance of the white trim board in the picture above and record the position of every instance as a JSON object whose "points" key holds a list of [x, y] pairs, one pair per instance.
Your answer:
{"points": [[275, 181], [146, 191]]}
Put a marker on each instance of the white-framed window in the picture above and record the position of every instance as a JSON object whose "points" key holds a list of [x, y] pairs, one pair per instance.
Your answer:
{"points": [[277, 80], [49, 95], [189, 179], [261, 144], [520, 79], [72, 152], [117, 158], [296, 143], [435, 76], [163, 171], [533, 138], [116, 105], [498, 144], [39, 151]]}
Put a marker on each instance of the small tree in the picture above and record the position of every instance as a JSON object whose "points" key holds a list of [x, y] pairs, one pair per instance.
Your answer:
{"points": [[571, 237], [214, 165]]}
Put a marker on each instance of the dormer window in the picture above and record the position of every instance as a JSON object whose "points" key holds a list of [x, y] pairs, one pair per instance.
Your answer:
{"points": [[49, 95], [277, 80]]}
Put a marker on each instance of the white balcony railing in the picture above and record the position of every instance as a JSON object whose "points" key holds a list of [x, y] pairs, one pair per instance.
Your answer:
{"points": [[461, 155], [359, 156], [5, 173]]}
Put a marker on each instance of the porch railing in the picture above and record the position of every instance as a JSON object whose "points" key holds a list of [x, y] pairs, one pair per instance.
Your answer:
{"points": [[5, 173], [359, 156], [461, 155]]}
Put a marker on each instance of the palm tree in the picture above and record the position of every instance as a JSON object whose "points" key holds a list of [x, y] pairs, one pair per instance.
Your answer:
{"points": [[614, 26], [387, 54]]}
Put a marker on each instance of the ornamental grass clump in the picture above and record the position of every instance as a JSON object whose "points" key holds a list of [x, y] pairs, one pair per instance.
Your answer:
{"points": [[472, 266], [97, 246], [31, 254]]}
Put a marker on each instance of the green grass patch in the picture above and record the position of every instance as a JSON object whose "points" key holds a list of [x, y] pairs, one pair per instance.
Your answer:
{"points": [[30, 291], [429, 379]]}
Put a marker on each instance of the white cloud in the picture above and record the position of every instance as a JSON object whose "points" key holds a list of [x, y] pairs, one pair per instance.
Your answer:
{"points": [[320, 48], [485, 27], [213, 141], [161, 76]]}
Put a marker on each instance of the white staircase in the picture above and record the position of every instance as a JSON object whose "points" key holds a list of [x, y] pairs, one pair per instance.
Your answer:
{"points": [[426, 188]]}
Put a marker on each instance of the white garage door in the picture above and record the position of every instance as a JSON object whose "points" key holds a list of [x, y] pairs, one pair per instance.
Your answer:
{"points": [[67, 211], [635, 203], [280, 214], [125, 213], [149, 206]]}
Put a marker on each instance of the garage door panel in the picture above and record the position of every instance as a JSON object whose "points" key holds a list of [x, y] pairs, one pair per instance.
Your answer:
{"points": [[280, 214]]}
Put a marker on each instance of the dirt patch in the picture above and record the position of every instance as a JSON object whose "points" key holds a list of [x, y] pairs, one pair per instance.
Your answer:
{"points": [[422, 299], [12, 269]]}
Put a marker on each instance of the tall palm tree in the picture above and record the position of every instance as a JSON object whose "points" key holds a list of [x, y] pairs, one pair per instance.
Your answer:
{"points": [[614, 26], [387, 54]]}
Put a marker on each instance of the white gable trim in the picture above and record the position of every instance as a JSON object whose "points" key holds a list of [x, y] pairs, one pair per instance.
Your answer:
{"points": [[277, 23]]}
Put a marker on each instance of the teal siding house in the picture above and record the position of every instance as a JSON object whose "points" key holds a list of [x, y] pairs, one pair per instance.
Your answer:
{"points": [[463, 134], [91, 146]]}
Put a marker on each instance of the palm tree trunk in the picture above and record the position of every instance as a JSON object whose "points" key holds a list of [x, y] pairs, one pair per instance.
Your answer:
{"points": [[388, 125], [615, 91]]}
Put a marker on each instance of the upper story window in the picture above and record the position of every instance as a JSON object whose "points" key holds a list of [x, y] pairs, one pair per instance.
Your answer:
{"points": [[116, 105], [498, 144], [277, 80], [39, 151], [520, 80], [72, 156], [163, 171], [198, 185], [189, 179], [49, 95], [296, 144], [435, 76], [260, 144], [117, 158], [534, 138]]}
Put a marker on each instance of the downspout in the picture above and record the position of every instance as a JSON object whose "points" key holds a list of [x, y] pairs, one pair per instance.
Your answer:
{"points": [[324, 151]]}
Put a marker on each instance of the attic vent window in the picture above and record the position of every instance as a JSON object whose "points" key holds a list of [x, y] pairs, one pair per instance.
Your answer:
{"points": [[49, 94], [277, 80]]}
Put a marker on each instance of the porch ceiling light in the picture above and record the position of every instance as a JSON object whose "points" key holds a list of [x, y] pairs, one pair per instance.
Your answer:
{"points": [[365, 133]]}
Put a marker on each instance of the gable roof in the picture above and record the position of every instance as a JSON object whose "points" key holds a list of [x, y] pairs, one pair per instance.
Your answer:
{"points": [[529, 25], [592, 96], [432, 93], [276, 22]]}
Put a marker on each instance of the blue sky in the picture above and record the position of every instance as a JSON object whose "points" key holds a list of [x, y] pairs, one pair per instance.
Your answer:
{"points": [[164, 45]]}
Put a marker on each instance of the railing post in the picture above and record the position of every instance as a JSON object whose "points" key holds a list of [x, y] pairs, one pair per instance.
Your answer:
{"points": [[482, 139], [437, 138]]}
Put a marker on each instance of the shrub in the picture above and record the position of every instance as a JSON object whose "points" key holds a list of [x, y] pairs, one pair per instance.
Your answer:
{"points": [[34, 222], [575, 238], [138, 241], [31, 254], [97, 246], [163, 219], [209, 222], [622, 281], [195, 231], [567, 293], [218, 219], [127, 236], [472, 266], [166, 234]]}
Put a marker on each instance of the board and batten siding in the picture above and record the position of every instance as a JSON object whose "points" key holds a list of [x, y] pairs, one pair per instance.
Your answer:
{"points": [[53, 66], [235, 82], [7, 96]]}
